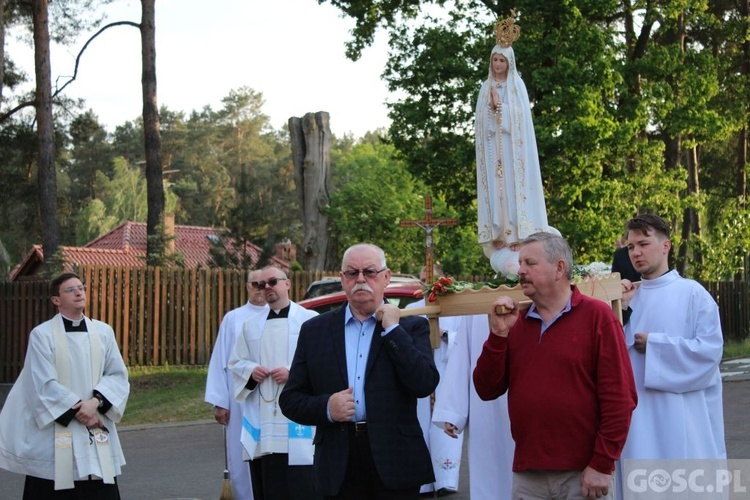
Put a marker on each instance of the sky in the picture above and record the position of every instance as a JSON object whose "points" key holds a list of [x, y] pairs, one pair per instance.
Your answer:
{"points": [[291, 51]]}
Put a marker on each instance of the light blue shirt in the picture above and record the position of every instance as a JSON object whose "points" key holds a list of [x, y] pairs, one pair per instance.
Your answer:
{"points": [[358, 338], [533, 314]]}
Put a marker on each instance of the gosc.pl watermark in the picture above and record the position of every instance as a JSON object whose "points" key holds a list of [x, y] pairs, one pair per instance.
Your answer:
{"points": [[686, 479]]}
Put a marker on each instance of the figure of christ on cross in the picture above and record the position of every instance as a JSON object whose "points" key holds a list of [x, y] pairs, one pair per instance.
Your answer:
{"points": [[428, 225]]}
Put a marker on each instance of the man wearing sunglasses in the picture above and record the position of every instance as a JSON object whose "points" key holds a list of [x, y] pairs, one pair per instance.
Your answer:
{"points": [[280, 450], [356, 375], [219, 388], [58, 424]]}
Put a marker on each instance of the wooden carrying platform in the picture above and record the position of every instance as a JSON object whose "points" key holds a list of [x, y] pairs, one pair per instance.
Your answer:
{"points": [[470, 302]]}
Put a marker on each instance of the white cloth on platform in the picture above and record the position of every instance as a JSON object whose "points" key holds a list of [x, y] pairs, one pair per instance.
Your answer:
{"points": [[510, 199], [220, 392], [445, 451], [680, 410], [27, 421], [246, 356], [490, 444]]}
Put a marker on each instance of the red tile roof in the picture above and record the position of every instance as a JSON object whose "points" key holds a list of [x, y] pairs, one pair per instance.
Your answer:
{"points": [[193, 242], [125, 245]]}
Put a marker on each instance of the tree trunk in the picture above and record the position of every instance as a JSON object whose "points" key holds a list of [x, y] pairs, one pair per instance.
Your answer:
{"points": [[741, 185], [2, 48], [45, 133], [691, 224], [742, 136], [741, 189], [673, 146], [156, 246], [310, 137]]}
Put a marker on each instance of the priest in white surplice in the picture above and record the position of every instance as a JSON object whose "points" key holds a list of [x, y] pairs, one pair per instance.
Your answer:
{"points": [[490, 445], [58, 424], [280, 450], [219, 388], [675, 344]]}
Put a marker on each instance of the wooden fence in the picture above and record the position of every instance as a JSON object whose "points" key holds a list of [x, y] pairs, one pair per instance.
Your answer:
{"points": [[160, 315], [171, 316], [733, 298]]}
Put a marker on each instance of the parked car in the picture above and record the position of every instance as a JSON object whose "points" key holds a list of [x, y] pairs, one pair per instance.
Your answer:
{"points": [[323, 286], [330, 284], [399, 293]]}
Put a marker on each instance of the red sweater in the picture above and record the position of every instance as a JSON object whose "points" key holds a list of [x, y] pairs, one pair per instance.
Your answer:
{"points": [[570, 392]]}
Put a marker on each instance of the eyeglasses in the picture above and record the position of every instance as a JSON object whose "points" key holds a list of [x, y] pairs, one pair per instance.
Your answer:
{"points": [[71, 289], [352, 274], [260, 285]]}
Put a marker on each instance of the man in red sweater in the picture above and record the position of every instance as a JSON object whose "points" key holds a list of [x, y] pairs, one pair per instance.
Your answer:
{"points": [[570, 384]]}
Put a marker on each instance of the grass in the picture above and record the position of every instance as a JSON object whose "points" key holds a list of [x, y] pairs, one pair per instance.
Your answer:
{"points": [[166, 394], [737, 349]]}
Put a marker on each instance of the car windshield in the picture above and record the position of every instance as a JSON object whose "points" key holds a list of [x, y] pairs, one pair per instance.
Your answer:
{"points": [[323, 287]]}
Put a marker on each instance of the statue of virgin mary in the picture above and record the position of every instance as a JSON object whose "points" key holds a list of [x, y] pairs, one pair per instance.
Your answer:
{"points": [[510, 196]]}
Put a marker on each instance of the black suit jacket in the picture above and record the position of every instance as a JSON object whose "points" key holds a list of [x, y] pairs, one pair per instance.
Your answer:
{"points": [[400, 369]]}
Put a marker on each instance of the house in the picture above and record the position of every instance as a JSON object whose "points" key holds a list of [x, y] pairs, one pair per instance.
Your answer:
{"points": [[125, 245]]}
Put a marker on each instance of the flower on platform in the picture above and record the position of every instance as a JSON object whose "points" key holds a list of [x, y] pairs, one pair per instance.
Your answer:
{"points": [[446, 284], [590, 270]]}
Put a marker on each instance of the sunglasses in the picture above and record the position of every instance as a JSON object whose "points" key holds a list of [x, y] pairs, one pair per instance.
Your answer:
{"points": [[260, 285]]}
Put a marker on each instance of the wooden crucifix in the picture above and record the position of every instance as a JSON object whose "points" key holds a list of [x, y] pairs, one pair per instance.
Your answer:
{"points": [[428, 224]]}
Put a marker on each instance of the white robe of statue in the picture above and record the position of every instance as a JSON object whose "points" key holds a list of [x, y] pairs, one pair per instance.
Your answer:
{"points": [[680, 410], [220, 392], [490, 444], [444, 450], [510, 196]]}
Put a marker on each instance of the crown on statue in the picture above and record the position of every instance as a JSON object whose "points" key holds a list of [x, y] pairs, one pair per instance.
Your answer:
{"points": [[507, 31]]}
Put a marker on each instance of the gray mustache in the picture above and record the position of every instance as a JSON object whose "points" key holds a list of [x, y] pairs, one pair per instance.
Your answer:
{"points": [[362, 286]]}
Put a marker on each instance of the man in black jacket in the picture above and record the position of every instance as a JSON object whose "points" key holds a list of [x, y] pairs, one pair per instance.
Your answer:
{"points": [[356, 375]]}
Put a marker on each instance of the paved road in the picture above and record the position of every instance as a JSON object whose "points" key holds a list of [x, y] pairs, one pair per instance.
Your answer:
{"points": [[185, 461]]}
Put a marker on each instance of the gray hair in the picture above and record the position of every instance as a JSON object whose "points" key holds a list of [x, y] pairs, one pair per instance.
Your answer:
{"points": [[380, 252], [555, 248]]}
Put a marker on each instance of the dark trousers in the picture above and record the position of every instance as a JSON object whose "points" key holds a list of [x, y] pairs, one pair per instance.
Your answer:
{"points": [[274, 479], [36, 488], [362, 481]]}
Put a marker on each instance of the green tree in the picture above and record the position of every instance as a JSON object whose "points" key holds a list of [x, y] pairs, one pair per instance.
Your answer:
{"points": [[90, 153], [373, 192], [203, 183], [119, 199], [127, 140], [235, 172], [624, 95], [68, 18], [19, 226]]}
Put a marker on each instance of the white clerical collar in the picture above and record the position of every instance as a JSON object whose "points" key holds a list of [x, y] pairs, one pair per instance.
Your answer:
{"points": [[75, 322]]}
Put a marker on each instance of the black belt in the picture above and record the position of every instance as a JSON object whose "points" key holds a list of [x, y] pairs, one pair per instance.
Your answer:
{"points": [[358, 427]]}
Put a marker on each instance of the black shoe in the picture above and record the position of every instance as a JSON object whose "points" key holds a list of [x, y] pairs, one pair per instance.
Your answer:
{"points": [[444, 492]]}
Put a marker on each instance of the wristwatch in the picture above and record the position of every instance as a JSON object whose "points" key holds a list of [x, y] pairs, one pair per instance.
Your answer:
{"points": [[100, 399]]}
